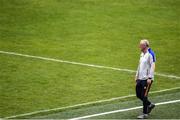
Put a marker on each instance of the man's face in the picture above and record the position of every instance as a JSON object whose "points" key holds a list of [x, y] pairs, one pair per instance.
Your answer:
{"points": [[142, 46]]}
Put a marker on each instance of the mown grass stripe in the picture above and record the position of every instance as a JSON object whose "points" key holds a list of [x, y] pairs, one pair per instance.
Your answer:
{"points": [[84, 104], [83, 64], [122, 110]]}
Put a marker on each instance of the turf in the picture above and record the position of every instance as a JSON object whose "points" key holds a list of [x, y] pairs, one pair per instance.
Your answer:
{"points": [[104, 32], [159, 112]]}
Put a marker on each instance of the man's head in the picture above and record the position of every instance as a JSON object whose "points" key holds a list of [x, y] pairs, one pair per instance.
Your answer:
{"points": [[144, 44]]}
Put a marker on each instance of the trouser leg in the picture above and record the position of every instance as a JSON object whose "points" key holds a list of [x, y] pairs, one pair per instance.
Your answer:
{"points": [[144, 94], [138, 89]]}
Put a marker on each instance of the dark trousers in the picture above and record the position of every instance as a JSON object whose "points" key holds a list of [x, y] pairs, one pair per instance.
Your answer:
{"points": [[142, 89]]}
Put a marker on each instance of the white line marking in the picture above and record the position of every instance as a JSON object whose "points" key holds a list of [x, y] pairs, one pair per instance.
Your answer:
{"points": [[83, 64], [88, 103], [122, 110]]}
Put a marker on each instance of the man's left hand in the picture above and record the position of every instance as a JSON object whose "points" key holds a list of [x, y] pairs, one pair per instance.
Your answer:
{"points": [[149, 81]]}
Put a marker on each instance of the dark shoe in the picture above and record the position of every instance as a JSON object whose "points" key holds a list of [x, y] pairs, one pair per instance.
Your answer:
{"points": [[150, 107]]}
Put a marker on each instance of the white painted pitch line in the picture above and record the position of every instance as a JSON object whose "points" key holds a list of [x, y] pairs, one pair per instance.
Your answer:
{"points": [[122, 110], [88, 103], [83, 64]]}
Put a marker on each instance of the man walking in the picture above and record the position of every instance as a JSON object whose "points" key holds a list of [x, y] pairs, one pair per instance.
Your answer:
{"points": [[144, 77]]}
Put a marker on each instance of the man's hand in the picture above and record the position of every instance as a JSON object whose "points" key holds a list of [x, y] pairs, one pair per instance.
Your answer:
{"points": [[149, 81]]}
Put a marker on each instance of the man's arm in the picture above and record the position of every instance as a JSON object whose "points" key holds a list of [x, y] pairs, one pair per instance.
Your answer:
{"points": [[152, 68], [137, 73]]}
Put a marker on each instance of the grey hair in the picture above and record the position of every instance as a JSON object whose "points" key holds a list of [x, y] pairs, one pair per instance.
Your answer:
{"points": [[145, 41]]}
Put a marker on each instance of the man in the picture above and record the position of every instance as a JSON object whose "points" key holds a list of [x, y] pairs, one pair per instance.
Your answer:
{"points": [[144, 77]]}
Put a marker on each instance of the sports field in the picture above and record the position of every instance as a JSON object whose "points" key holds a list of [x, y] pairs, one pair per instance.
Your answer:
{"points": [[77, 58]]}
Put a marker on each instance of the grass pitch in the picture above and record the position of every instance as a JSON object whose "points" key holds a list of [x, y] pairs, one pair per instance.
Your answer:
{"points": [[159, 113], [103, 32]]}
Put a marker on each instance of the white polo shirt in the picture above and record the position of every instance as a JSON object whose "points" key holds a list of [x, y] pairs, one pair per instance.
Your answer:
{"points": [[145, 68]]}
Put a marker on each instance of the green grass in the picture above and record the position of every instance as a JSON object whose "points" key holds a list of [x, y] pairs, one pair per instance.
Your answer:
{"points": [[103, 32], [168, 111]]}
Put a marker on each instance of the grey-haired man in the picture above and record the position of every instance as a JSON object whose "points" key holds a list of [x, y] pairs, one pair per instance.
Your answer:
{"points": [[145, 76]]}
